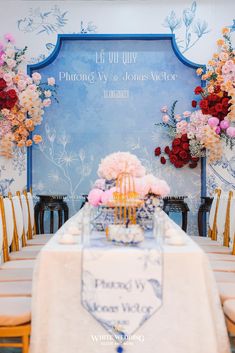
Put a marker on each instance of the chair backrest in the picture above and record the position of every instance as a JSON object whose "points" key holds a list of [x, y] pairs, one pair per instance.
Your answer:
{"points": [[19, 222], [221, 216], [213, 215], [9, 219], [25, 212], [7, 225], [1, 232]]}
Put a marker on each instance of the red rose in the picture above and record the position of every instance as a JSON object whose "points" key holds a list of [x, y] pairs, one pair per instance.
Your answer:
{"points": [[193, 165], [184, 138], [11, 94], [195, 159], [3, 95], [194, 104], [9, 104], [167, 150], [212, 98], [212, 111], [157, 151], [163, 160], [203, 104], [217, 89], [3, 83], [176, 142], [185, 146], [183, 154], [198, 90], [175, 149], [225, 110], [225, 102], [218, 107], [173, 159], [179, 164]]}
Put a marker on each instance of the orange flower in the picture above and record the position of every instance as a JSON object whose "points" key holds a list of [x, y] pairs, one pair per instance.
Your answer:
{"points": [[199, 71], [28, 123], [215, 56], [31, 128], [37, 139], [212, 63], [20, 116], [21, 143], [220, 42], [29, 143], [225, 30]]}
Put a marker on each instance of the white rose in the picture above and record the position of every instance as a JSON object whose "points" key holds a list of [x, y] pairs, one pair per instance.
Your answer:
{"points": [[51, 81]]}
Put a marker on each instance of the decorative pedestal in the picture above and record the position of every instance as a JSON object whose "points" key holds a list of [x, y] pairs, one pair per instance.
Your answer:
{"points": [[50, 203], [178, 205], [204, 208]]}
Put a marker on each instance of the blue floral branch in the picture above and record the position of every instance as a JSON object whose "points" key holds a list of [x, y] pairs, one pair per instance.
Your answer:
{"points": [[193, 27]]}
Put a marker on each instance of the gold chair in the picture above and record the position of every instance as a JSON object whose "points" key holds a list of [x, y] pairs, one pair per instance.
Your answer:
{"points": [[15, 316], [32, 237], [229, 311]]}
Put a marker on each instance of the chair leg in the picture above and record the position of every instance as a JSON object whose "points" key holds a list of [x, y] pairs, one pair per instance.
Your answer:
{"points": [[25, 343]]}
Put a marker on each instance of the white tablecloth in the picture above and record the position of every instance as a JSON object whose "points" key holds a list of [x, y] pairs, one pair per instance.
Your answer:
{"points": [[190, 320]]}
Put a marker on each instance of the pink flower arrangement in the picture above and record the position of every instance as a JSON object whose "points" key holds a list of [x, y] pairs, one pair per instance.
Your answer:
{"points": [[116, 163], [22, 99], [119, 162]]}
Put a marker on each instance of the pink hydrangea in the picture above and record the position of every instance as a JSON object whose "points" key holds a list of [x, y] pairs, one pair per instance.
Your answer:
{"points": [[119, 162]]}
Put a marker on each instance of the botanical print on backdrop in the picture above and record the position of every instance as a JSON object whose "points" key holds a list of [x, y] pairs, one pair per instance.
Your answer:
{"points": [[191, 28]]}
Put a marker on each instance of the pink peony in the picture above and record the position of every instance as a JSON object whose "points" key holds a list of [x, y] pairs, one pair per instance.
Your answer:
{"points": [[107, 196], [119, 162], [224, 124], [94, 197], [141, 187], [160, 188], [213, 122], [231, 131]]}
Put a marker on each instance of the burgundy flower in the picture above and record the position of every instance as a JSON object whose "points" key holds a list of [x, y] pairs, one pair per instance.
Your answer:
{"points": [[218, 107], [9, 104], [3, 83], [198, 90], [184, 138], [185, 146], [195, 159], [173, 158], [175, 150], [183, 154], [194, 104], [176, 142], [203, 104], [3, 95], [11, 94], [163, 160], [179, 164], [167, 150], [157, 151]]}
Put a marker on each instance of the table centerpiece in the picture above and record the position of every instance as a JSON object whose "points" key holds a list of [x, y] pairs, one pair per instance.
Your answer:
{"points": [[125, 195]]}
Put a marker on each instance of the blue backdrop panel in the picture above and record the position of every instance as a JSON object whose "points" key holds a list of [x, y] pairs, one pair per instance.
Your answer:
{"points": [[110, 92]]}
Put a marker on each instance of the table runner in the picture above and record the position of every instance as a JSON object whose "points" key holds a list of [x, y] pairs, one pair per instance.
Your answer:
{"points": [[190, 319]]}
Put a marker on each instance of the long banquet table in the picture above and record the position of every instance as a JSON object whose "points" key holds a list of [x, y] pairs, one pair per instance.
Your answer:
{"points": [[189, 321]]}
